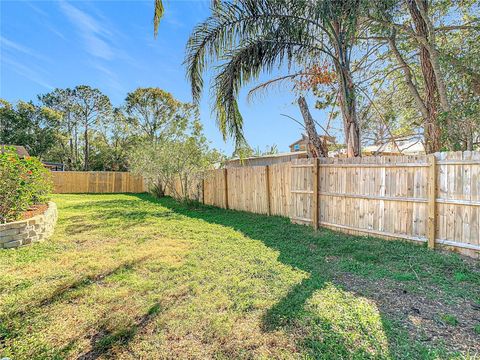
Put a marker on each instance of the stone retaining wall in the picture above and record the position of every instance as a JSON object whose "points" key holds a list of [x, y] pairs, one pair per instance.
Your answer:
{"points": [[27, 231]]}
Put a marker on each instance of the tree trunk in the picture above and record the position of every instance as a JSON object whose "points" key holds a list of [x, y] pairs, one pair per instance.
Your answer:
{"points": [[408, 77], [158, 189], [349, 113], [70, 140], [434, 56], [347, 95], [432, 130], [75, 157], [469, 146], [86, 150], [320, 147], [71, 154]]}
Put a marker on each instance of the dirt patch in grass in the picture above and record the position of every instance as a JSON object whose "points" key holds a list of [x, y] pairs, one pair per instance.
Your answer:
{"points": [[431, 321]]}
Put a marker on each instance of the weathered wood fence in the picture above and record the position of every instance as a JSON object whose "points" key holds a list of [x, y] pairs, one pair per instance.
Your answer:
{"points": [[433, 199], [96, 182]]}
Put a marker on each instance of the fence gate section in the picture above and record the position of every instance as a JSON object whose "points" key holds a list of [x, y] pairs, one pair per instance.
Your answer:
{"points": [[304, 192]]}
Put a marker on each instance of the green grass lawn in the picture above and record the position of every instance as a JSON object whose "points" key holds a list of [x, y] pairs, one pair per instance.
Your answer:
{"points": [[131, 277]]}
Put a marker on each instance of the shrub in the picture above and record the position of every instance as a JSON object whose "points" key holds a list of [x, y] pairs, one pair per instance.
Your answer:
{"points": [[175, 164], [24, 182]]}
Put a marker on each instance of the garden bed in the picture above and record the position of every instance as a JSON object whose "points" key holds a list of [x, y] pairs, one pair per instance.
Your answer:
{"points": [[37, 224], [34, 211]]}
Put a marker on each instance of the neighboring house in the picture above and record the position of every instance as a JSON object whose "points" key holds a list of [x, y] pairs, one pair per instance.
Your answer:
{"points": [[408, 146], [52, 166], [302, 144], [402, 146], [339, 153], [267, 159], [21, 151]]}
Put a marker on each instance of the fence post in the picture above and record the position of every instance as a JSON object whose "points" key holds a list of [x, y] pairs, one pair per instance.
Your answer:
{"points": [[315, 194], [432, 193], [267, 189], [203, 190], [225, 180]]}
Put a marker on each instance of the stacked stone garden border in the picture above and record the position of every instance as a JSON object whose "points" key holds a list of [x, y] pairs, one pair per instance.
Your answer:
{"points": [[28, 231]]}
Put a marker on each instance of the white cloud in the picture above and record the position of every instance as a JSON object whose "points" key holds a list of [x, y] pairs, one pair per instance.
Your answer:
{"points": [[96, 37], [16, 47], [44, 19], [27, 72]]}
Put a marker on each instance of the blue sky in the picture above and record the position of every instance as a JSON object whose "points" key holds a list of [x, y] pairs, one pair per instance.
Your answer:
{"points": [[110, 45]]}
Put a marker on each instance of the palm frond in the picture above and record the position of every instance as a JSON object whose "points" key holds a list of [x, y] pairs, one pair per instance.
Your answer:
{"points": [[249, 36], [231, 23], [263, 87], [157, 15], [245, 64]]}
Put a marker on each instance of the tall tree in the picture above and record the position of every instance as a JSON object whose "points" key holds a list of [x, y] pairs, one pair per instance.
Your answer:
{"points": [[91, 107], [415, 37], [155, 113], [111, 144], [32, 126], [62, 100], [250, 36]]}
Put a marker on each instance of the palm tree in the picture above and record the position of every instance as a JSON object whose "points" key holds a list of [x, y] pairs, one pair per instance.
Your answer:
{"points": [[157, 15], [247, 37]]}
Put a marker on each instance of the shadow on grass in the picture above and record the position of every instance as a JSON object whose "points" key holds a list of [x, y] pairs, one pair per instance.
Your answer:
{"points": [[104, 340], [127, 211], [59, 293], [324, 255], [79, 224], [15, 318]]}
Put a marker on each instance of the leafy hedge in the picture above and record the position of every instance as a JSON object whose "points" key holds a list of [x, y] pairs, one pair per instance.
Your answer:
{"points": [[23, 182]]}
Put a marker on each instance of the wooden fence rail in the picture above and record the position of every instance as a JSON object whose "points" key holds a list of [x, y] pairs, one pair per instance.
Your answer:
{"points": [[96, 182], [433, 199]]}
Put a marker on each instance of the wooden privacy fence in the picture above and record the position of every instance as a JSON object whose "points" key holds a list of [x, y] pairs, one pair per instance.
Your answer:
{"points": [[96, 182], [430, 198]]}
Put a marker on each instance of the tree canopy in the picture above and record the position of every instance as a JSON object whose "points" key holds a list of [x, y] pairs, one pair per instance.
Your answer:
{"points": [[423, 53]]}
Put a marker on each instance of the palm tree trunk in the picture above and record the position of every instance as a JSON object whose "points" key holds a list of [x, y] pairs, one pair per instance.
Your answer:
{"points": [[319, 146]]}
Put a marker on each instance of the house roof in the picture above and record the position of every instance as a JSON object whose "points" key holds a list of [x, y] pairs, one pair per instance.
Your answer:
{"points": [[21, 151], [305, 139], [406, 146], [296, 153]]}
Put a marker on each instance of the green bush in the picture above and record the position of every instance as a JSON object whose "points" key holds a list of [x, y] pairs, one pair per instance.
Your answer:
{"points": [[23, 182]]}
